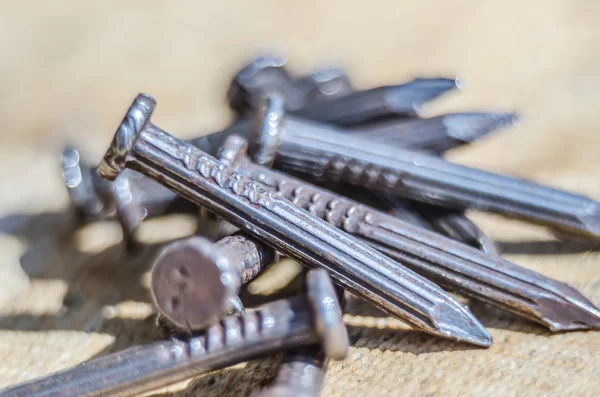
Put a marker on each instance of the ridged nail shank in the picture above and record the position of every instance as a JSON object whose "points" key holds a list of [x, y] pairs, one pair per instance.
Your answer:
{"points": [[453, 265], [328, 154], [292, 231]]}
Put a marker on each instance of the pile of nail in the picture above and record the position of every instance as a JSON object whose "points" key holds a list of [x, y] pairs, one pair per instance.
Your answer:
{"points": [[349, 183]]}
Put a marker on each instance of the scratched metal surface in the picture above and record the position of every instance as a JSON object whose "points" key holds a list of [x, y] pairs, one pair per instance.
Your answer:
{"points": [[71, 70]]}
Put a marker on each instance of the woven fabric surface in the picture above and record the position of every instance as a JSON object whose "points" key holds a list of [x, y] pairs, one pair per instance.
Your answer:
{"points": [[70, 71]]}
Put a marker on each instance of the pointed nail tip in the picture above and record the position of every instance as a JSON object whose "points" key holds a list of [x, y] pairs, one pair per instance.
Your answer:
{"points": [[592, 223], [502, 120], [573, 327], [461, 325], [475, 336], [572, 313], [469, 127], [460, 83], [515, 119]]}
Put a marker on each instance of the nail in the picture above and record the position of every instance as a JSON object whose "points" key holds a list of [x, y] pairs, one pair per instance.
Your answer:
{"points": [[80, 180], [436, 134], [195, 281], [302, 370], [455, 266], [262, 75], [130, 198], [332, 154], [361, 106], [283, 324], [300, 374], [140, 145]]}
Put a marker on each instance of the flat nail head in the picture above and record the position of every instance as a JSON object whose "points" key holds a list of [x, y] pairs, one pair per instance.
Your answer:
{"points": [[134, 121], [192, 283]]}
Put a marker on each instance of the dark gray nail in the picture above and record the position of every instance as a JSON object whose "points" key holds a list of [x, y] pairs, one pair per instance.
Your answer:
{"points": [[283, 324], [332, 154], [453, 265], [361, 106], [140, 145], [195, 280]]}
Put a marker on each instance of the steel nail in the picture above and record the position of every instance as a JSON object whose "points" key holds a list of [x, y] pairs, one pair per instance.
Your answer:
{"points": [[130, 198], [436, 134], [195, 280], [362, 106], [332, 154], [140, 145], [284, 324], [453, 265], [301, 374]]}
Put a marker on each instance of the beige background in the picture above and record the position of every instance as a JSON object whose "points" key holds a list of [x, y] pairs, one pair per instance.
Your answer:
{"points": [[69, 70]]}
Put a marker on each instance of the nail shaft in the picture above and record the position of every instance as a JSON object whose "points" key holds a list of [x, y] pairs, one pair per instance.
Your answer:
{"points": [[332, 154], [353, 265], [361, 106], [283, 324], [452, 265], [130, 198], [300, 374], [436, 134]]}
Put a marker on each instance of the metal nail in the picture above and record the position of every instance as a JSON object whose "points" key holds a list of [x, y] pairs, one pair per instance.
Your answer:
{"points": [[332, 154], [82, 185], [140, 145], [195, 280], [284, 324], [453, 265], [436, 134], [361, 106], [130, 198]]}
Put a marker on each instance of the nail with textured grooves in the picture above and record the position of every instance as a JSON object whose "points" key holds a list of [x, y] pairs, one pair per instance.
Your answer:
{"points": [[436, 134], [453, 265], [353, 265], [194, 281], [284, 324], [360, 106], [463, 225], [332, 154]]}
